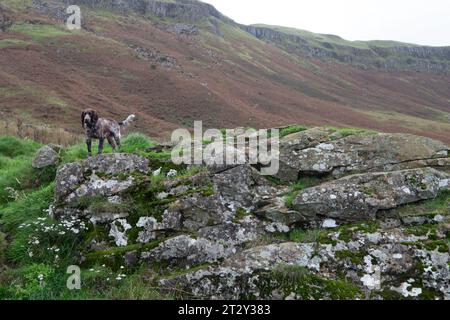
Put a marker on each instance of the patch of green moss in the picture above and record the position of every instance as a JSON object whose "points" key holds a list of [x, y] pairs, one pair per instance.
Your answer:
{"points": [[347, 232], [180, 272], [355, 257], [309, 286], [307, 236], [114, 257], [440, 245], [369, 191], [423, 230], [240, 214], [274, 180]]}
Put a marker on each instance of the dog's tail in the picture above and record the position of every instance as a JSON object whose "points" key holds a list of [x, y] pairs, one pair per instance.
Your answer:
{"points": [[127, 121]]}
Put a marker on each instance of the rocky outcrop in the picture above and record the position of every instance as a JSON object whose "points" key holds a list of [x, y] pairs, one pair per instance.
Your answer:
{"points": [[183, 10], [360, 197], [45, 157], [228, 232], [6, 20], [324, 152], [55, 9], [384, 264], [400, 57]]}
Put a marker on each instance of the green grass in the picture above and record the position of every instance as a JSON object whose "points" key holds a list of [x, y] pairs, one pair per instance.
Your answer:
{"points": [[133, 143], [308, 286], [17, 176], [289, 199], [292, 129], [13, 147], [98, 283], [306, 236], [440, 205], [39, 32], [136, 143], [354, 131], [12, 42], [26, 221]]}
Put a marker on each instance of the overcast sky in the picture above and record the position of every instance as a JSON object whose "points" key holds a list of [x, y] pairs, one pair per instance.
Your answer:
{"points": [[424, 22]]}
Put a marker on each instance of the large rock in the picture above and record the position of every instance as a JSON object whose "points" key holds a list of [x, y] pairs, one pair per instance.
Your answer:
{"points": [[236, 277], [45, 157], [291, 145], [242, 187], [364, 264], [361, 196], [100, 176], [319, 152], [185, 251]]}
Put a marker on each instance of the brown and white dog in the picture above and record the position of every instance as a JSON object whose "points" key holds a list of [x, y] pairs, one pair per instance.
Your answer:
{"points": [[101, 129]]}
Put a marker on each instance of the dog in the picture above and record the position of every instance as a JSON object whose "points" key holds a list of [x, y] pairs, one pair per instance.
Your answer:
{"points": [[101, 129]]}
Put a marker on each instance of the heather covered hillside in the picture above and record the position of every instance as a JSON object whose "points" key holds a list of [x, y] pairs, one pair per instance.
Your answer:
{"points": [[173, 62]]}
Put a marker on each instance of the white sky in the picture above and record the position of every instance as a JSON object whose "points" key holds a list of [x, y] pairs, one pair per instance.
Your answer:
{"points": [[424, 22]]}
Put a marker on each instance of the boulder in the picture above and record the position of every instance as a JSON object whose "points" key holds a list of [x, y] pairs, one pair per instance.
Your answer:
{"points": [[242, 187], [185, 251], [104, 176], [291, 145], [196, 211], [360, 197], [233, 234], [236, 277], [318, 152], [45, 157]]}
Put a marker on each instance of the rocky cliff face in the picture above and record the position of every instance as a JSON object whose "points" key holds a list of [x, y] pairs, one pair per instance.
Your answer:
{"points": [[5, 19], [396, 57], [232, 233], [184, 10]]}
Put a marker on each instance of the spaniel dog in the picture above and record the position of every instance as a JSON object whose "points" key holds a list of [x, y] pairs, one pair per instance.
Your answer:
{"points": [[101, 129]]}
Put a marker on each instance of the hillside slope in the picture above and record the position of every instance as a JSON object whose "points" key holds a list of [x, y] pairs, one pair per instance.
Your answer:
{"points": [[173, 62]]}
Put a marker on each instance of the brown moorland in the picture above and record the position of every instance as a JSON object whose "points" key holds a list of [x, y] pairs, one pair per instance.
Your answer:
{"points": [[122, 63]]}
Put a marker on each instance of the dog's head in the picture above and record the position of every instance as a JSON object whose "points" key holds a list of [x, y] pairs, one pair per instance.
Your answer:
{"points": [[89, 118]]}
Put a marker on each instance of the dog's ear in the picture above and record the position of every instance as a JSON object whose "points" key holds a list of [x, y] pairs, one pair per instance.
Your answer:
{"points": [[94, 116], [83, 114]]}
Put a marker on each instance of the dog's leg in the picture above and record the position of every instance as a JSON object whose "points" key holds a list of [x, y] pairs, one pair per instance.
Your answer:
{"points": [[117, 141], [101, 142], [89, 146], [112, 142]]}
